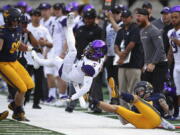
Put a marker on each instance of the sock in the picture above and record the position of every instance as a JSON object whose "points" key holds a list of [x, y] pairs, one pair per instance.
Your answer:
{"points": [[52, 92], [62, 95]]}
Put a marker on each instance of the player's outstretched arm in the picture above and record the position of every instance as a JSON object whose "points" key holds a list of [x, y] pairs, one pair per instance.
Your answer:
{"points": [[84, 89], [42, 62]]}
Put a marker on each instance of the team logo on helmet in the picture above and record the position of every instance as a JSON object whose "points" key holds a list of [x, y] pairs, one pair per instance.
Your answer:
{"points": [[6, 13]]}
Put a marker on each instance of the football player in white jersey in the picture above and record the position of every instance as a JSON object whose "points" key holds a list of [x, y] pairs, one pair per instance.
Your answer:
{"points": [[174, 40], [59, 43], [46, 19], [81, 72]]}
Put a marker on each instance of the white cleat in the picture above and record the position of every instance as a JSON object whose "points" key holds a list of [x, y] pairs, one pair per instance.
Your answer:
{"points": [[60, 103], [122, 120], [165, 124], [70, 19]]}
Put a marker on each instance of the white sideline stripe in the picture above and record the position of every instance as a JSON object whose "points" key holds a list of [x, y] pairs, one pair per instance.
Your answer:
{"points": [[14, 131], [79, 123]]}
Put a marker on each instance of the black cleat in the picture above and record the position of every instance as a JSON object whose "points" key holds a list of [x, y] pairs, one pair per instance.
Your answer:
{"points": [[127, 97], [115, 101], [19, 117], [69, 109], [36, 107], [97, 110], [4, 115]]}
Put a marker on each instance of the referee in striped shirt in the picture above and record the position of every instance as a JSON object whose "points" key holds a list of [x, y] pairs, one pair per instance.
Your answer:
{"points": [[155, 67]]}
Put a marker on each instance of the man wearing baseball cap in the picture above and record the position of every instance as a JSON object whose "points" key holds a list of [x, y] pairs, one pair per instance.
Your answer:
{"points": [[148, 6], [128, 48], [164, 20], [46, 20], [164, 25], [155, 66]]}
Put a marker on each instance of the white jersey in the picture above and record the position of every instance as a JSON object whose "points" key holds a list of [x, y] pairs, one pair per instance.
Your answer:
{"points": [[78, 21], [58, 35], [176, 49], [110, 39], [77, 75], [47, 23], [1, 19], [38, 32]]}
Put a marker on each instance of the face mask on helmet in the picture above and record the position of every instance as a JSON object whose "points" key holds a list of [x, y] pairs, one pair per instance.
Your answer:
{"points": [[96, 50], [143, 89], [24, 19]]}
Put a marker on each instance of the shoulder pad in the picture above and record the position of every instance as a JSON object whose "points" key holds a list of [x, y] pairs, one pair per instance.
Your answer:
{"points": [[63, 22], [88, 70]]}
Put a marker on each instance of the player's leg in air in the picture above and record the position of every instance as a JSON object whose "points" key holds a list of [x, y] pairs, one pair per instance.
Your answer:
{"points": [[3, 115], [66, 63], [72, 52]]}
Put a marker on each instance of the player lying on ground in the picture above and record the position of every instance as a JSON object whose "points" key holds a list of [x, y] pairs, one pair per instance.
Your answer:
{"points": [[144, 115], [80, 72]]}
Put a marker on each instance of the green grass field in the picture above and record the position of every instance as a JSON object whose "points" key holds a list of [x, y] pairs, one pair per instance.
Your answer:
{"points": [[12, 127]]}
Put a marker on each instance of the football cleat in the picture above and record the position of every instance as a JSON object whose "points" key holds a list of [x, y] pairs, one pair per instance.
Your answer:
{"points": [[122, 120], [60, 103], [165, 124], [93, 103], [19, 116], [4, 115], [115, 101], [36, 106], [69, 109], [114, 91]]}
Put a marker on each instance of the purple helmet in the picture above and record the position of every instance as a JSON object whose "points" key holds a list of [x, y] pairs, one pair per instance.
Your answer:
{"points": [[29, 9], [96, 50], [72, 6], [88, 7], [21, 4], [6, 7], [175, 9]]}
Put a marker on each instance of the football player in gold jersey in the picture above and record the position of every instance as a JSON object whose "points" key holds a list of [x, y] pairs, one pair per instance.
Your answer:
{"points": [[10, 69]]}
